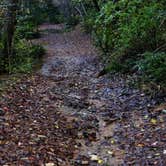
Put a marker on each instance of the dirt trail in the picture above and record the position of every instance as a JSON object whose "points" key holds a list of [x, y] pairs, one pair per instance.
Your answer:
{"points": [[65, 115], [72, 60]]}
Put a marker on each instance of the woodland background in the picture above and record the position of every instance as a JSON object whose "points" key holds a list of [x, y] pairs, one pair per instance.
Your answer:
{"points": [[130, 34]]}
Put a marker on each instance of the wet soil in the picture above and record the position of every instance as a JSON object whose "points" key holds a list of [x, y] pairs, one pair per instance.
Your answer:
{"points": [[65, 115]]}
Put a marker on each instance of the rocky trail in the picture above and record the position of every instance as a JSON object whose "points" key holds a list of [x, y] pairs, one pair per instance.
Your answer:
{"points": [[64, 115]]}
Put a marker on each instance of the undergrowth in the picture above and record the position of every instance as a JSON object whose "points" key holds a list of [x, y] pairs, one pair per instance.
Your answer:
{"points": [[131, 36]]}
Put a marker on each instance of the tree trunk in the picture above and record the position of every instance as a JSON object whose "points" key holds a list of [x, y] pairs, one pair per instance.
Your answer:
{"points": [[9, 27]]}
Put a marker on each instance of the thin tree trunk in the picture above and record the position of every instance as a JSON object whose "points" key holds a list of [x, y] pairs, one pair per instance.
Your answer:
{"points": [[9, 29]]}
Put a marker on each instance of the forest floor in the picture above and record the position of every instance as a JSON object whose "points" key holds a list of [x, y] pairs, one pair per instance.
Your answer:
{"points": [[64, 115]]}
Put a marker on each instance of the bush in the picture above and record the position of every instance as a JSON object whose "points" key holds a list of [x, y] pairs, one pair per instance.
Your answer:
{"points": [[53, 14], [71, 21], [36, 51], [27, 30], [89, 21], [125, 30], [25, 56], [153, 67], [131, 27]]}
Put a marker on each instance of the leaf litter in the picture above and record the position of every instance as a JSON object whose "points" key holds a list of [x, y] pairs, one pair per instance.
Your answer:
{"points": [[64, 115]]}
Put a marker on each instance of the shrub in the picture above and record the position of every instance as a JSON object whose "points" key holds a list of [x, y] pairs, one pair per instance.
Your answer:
{"points": [[71, 21], [89, 21], [36, 51], [53, 14], [25, 56], [131, 27], [125, 30], [153, 66], [27, 27], [27, 30]]}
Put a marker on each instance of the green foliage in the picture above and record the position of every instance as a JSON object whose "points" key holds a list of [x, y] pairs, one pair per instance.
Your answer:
{"points": [[71, 21], [53, 14], [26, 30], [24, 56], [124, 30], [36, 51], [40, 11], [153, 66], [29, 15], [88, 22], [87, 13], [34, 14], [131, 27]]}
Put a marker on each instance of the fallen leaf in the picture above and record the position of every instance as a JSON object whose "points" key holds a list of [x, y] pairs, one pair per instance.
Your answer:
{"points": [[110, 152], [146, 117], [85, 162], [100, 161], [140, 145], [112, 141], [153, 121], [164, 151], [50, 164], [42, 136], [94, 157]]}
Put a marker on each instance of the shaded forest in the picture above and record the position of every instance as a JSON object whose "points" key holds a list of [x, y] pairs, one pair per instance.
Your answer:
{"points": [[130, 35], [82, 82]]}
